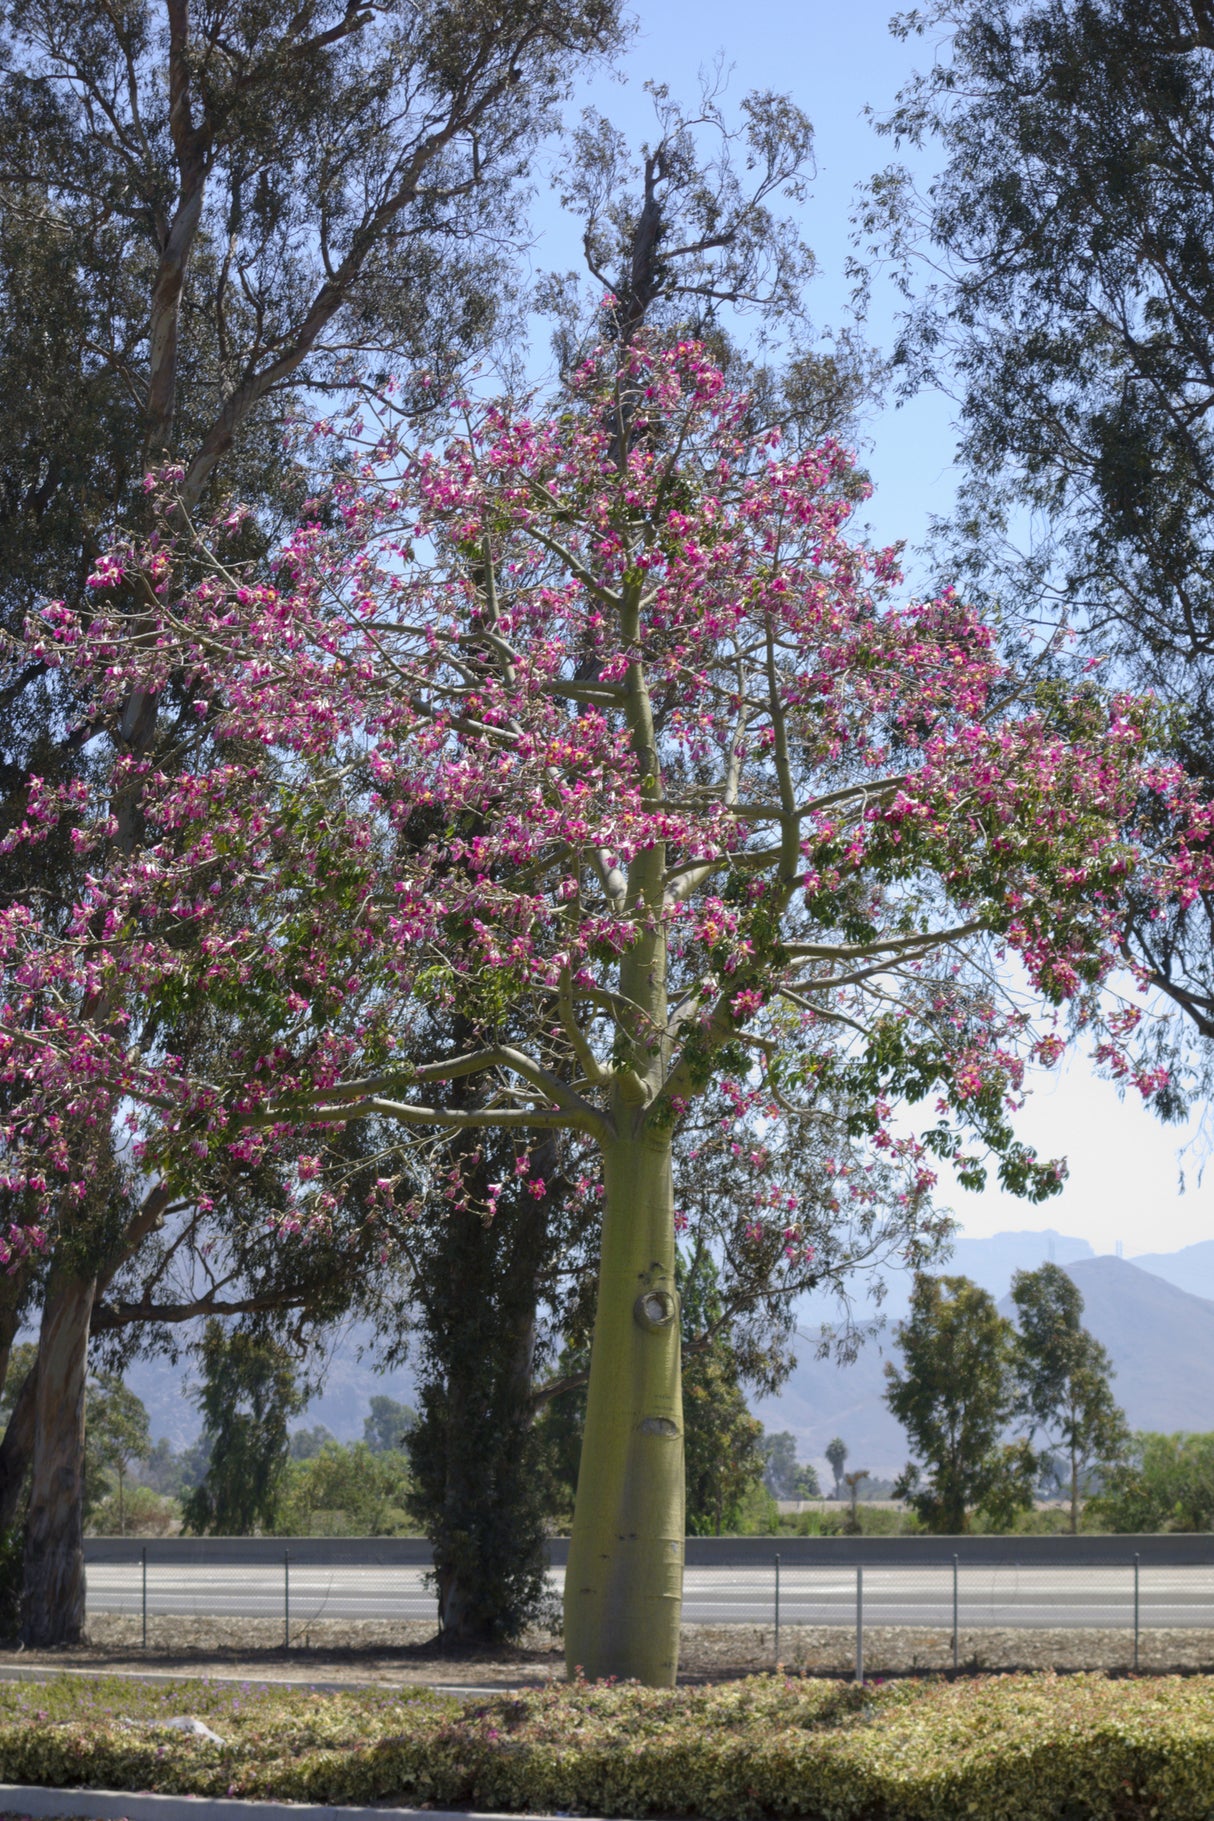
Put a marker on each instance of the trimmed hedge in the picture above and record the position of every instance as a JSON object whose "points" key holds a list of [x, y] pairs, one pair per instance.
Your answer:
{"points": [[1007, 1748]]}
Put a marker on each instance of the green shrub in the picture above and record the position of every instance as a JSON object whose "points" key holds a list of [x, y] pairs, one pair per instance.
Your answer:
{"points": [[818, 1523], [1010, 1748], [1053, 1520], [757, 1513], [884, 1520], [1165, 1483], [871, 1520], [140, 1512], [345, 1491]]}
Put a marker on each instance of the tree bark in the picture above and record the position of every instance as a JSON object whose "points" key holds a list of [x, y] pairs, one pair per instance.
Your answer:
{"points": [[466, 1618], [17, 1446], [1074, 1493], [52, 1609], [17, 1450], [624, 1582], [476, 1459]]}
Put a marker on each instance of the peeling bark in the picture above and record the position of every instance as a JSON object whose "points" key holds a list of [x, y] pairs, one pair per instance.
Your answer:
{"points": [[52, 1608], [17, 1450]]}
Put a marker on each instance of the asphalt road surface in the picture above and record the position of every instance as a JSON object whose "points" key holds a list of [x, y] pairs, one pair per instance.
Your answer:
{"points": [[1062, 1598]]}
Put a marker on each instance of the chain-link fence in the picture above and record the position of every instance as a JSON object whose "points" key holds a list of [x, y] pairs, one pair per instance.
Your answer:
{"points": [[194, 1597], [896, 1610], [969, 1616]]}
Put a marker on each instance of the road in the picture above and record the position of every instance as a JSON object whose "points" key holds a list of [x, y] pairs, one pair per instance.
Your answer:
{"points": [[1062, 1598]]}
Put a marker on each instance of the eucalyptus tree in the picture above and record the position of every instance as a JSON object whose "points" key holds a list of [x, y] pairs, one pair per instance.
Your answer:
{"points": [[207, 210], [248, 1395], [1060, 286], [954, 1393], [1064, 1375]]}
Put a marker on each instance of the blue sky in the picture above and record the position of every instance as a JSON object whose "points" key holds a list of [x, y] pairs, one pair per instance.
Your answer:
{"points": [[834, 62], [1125, 1168]]}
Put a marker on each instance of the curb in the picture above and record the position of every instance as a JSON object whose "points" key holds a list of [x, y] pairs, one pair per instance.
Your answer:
{"points": [[110, 1805], [169, 1678]]}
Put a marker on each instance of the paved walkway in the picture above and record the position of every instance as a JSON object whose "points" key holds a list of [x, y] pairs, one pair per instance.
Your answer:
{"points": [[117, 1805], [167, 1678]]}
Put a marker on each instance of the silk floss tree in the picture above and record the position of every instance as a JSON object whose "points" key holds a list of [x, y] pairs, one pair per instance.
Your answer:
{"points": [[595, 730]]}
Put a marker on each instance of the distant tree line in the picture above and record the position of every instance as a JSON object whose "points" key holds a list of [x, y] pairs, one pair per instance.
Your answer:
{"points": [[968, 1379], [250, 1472]]}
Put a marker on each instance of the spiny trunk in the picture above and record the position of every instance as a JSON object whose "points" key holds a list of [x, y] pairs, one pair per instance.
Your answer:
{"points": [[624, 1582], [52, 1611]]}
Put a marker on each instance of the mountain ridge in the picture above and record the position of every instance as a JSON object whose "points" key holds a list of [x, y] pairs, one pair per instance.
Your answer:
{"points": [[1159, 1333]]}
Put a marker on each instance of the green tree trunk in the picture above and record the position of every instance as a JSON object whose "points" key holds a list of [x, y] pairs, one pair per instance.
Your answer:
{"points": [[624, 1582]]}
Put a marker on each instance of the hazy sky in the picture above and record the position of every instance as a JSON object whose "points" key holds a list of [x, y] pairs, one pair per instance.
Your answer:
{"points": [[1125, 1168]]}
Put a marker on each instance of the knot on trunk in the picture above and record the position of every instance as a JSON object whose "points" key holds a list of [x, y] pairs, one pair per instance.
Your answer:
{"points": [[655, 1309], [658, 1425]]}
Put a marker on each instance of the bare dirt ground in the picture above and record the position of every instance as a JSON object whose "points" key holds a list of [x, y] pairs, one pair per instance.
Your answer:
{"points": [[352, 1652]]}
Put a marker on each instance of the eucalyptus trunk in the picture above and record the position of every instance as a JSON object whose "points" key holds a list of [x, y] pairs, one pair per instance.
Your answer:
{"points": [[16, 1449], [1074, 1491], [489, 1553], [624, 1581], [477, 1488], [52, 1610]]}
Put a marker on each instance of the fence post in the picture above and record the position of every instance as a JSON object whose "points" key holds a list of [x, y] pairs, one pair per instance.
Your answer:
{"points": [[777, 1612], [859, 1624], [143, 1566], [286, 1599], [1135, 1610], [955, 1629]]}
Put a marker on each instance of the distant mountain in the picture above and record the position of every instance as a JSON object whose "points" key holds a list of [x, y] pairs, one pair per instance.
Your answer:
{"points": [[1160, 1339], [822, 1400], [990, 1262], [993, 1262], [1191, 1269], [1159, 1334]]}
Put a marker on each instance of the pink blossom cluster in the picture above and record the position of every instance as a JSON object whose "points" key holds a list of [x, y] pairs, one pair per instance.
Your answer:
{"points": [[508, 715]]}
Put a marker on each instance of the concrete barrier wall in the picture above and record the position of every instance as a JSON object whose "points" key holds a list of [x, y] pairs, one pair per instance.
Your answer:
{"points": [[263, 1551], [1174, 1551]]}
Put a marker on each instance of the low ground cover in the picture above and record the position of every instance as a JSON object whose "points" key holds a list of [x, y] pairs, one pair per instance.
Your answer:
{"points": [[1028, 1747], [403, 1650]]}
